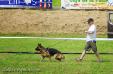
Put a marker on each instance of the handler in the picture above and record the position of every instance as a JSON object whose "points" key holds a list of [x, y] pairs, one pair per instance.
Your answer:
{"points": [[90, 41]]}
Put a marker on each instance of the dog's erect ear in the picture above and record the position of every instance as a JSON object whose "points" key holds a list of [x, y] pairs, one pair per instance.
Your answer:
{"points": [[39, 44]]}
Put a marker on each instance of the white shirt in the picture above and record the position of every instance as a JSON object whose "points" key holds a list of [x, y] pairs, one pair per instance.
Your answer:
{"points": [[92, 36]]}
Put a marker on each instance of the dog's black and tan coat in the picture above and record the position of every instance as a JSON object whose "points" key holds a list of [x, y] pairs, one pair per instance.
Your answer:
{"points": [[49, 52]]}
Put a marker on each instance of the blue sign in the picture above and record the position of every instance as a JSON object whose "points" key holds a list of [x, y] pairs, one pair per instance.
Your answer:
{"points": [[26, 3]]}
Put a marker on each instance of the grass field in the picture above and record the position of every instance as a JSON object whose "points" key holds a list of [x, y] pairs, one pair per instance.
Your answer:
{"points": [[56, 2], [31, 64]]}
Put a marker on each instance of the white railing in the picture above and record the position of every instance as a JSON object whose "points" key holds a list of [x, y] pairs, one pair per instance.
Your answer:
{"points": [[103, 39]]}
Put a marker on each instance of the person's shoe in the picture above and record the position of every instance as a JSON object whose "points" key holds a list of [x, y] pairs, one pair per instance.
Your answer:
{"points": [[78, 60]]}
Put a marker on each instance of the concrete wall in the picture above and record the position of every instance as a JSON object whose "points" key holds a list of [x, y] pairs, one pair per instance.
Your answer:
{"points": [[55, 21]]}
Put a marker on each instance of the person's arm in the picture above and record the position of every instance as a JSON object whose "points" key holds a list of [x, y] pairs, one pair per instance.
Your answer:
{"points": [[89, 32]]}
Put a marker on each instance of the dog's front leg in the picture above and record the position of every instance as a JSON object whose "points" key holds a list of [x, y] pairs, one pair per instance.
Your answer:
{"points": [[42, 59]]}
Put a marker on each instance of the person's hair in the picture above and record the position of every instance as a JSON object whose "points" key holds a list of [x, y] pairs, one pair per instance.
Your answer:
{"points": [[90, 20]]}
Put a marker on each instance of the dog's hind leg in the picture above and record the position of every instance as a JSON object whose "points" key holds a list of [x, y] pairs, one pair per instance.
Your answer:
{"points": [[50, 58], [58, 57]]}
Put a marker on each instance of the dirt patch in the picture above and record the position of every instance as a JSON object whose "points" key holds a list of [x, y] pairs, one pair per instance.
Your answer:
{"points": [[55, 21]]}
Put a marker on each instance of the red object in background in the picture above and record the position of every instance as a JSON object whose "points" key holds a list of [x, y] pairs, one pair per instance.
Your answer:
{"points": [[40, 4], [76, 4], [45, 5]]}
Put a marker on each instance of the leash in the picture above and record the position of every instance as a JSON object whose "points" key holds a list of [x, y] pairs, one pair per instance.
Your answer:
{"points": [[110, 53]]}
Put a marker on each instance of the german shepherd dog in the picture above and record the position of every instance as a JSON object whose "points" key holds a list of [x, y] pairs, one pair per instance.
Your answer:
{"points": [[49, 52]]}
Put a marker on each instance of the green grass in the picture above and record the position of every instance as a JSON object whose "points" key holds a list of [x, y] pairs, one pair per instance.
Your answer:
{"points": [[56, 2], [31, 64]]}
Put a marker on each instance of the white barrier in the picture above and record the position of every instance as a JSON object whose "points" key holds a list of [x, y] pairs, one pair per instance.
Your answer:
{"points": [[86, 4], [104, 39]]}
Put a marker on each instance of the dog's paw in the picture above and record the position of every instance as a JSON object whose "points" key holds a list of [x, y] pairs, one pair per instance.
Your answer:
{"points": [[43, 61]]}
